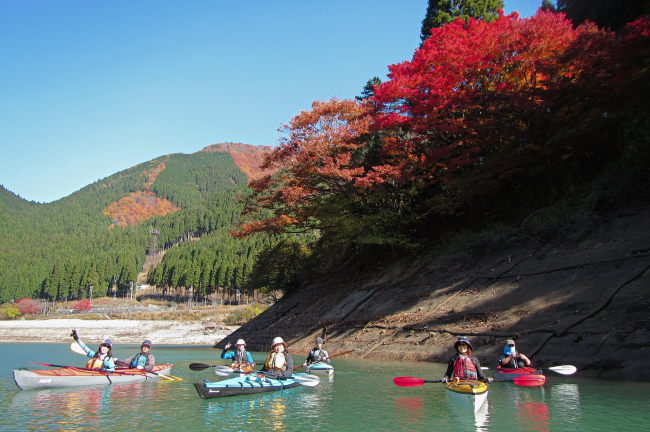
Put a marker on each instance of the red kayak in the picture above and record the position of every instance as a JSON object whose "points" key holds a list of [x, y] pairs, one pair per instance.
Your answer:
{"points": [[507, 374]]}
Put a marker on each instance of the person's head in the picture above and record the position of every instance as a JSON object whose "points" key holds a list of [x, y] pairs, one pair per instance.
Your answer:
{"points": [[319, 342], [278, 345], [463, 346], [145, 347], [105, 347], [509, 348], [240, 345]]}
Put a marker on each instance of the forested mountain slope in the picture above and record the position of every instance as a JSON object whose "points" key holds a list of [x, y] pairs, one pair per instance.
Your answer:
{"points": [[100, 234]]}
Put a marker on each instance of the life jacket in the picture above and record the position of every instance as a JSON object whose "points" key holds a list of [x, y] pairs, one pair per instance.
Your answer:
{"points": [[240, 357], [316, 355], [464, 368], [139, 360], [275, 361], [95, 363]]}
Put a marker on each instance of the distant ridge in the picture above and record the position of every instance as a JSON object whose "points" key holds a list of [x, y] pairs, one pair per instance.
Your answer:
{"points": [[247, 157]]}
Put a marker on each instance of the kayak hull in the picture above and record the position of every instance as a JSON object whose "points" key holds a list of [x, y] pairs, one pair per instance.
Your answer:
{"points": [[468, 393], [75, 377], [242, 385], [320, 368], [506, 374]]}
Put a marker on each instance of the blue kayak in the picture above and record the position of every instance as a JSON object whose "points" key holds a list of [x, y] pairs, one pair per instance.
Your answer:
{"points": [[242, 385]]}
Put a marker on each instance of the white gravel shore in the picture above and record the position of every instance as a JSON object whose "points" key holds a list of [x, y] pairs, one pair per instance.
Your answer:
{"points": [[118, 331]]}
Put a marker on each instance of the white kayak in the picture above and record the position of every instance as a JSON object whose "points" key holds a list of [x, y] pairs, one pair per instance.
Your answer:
{"points": [[73, 377], [320, 367], [469, 393]]}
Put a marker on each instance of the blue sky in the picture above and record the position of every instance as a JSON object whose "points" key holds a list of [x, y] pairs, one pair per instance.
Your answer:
{"points": [[88, 89]]}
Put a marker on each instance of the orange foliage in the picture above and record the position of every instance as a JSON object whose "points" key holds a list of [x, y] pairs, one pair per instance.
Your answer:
{"points": [[153, 174], [138, 207], [248, 158]]}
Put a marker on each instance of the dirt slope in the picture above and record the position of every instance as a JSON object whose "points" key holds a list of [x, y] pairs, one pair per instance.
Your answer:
{"points": [[584, 303]]}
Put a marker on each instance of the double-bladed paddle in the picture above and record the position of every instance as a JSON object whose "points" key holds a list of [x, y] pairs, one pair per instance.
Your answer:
{"points": [[562, 369], [525, 380]]}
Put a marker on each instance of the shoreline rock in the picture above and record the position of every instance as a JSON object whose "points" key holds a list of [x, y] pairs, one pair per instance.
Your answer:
{"points": [[118, 331]]}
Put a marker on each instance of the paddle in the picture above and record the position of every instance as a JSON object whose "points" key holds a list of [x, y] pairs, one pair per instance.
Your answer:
{"points": [[164, 377], [526, 381], [562, 369], [75, 347], [201, 366], [85, 369], [412, 381]]}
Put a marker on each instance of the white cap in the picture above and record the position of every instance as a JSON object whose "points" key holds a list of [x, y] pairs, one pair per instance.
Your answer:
{"points": [[240, 342], [278, 340]]}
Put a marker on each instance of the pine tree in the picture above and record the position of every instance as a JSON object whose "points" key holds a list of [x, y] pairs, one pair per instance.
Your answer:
{"points": [[441, 12]]}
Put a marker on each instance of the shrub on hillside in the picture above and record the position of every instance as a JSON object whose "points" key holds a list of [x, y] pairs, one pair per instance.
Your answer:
{"points": [[27, 305], [8, 311], [244, 315], [81, 305]]}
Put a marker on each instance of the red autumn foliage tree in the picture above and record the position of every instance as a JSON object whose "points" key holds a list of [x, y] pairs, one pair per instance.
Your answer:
{"points": [[81, 305], [480, 107], [314, 164], [27, 305]]}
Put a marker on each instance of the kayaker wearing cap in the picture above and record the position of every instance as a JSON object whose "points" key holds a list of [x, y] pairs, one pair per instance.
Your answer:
{"points": [[100, 360], [463, 365], [144, 359], [317, 354], [241, 359], [279, 363], [512, 359]]}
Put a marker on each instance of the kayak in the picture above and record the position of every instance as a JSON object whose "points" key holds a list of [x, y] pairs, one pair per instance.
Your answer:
{"points": [[469, 393], [73, 377], [243, 385], [507, 374], [320, 368]]}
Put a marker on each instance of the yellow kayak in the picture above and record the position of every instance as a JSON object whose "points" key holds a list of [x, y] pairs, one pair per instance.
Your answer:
{"points": [[469, 393]]}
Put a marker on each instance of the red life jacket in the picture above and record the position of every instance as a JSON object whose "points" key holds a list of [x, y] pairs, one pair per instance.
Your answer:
{"points": [[464, 368]]}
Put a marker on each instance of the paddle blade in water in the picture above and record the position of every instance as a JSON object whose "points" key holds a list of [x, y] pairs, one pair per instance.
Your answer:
{"points": [[223, 370], [530, 380], [306, 379], [408, 381], [198, 366], [564, 369]]}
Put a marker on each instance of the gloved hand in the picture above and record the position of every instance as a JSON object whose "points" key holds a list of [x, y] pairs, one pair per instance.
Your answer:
{"points": [[74, 335], [445, 379]]}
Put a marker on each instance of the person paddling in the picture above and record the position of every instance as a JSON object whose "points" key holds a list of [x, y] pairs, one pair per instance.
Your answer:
{"points": [[279, 363], [241, 359], [143, 360], [317, 354], [463, 365], [100, 360], [512, 359]]}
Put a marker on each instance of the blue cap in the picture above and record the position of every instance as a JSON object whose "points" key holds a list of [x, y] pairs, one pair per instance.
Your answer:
{"points": [[464, 340], [107, 342]]}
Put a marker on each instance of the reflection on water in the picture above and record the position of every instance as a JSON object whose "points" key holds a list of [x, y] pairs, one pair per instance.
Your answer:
{"points": [[409, 411], [467, 419], [534, 416], [566, 403]]}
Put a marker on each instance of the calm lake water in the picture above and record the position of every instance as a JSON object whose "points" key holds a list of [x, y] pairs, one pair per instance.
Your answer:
{"points": [[360, 395]]}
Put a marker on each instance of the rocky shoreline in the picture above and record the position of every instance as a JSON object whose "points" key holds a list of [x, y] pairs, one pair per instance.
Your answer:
{"points": [[118, 331]]}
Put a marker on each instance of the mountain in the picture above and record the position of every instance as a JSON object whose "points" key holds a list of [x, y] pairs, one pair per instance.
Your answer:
{"points": [[99, 236]]}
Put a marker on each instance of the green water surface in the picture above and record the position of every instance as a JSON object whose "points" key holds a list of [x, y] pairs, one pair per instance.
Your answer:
{"points": [[360, 396]]}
